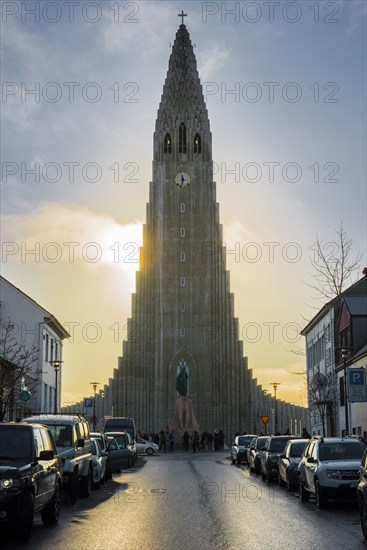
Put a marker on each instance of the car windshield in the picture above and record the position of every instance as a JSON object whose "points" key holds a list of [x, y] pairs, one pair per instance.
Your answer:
{"points": [[277, 445], [342, 451], [117, 443], [260, 442], [15, 444], [297, 448], [244, 440], [62, 434]]}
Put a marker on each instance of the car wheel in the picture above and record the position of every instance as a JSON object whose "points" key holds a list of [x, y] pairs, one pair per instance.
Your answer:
{"points": [[51, 513], [86, 483], [97, 484], [239, 461], [321, 498], [364, 518], [24, 522], [74, 486], [263, 476], [269, 478], [290, 486], [280, 481], [108, 474], [149, 451], [302, 493]]}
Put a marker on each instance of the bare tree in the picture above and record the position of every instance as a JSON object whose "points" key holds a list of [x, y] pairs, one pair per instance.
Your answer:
{"points": [[321, 389], [17, 370], [333, 265]]}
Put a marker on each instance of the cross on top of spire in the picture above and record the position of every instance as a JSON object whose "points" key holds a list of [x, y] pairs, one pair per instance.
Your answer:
{"points": [[182, 15]]}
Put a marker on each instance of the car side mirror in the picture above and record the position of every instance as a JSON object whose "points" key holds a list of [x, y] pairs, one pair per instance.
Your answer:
{"points": [[46, 455], [310, 460], [104, 453], [81, 442], [283, 456]]}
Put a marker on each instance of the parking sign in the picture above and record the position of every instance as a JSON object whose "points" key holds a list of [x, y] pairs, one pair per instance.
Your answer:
{"points": [[357, 389]]}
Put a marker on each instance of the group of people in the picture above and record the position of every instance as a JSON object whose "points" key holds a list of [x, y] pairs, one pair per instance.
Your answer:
{"points": [[200, 443], [207, 441]]}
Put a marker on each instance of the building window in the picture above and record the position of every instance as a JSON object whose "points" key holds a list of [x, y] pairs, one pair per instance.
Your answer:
{"points": [[182, 281], [197, 144], [167, 144], [182, 207], [182, 231], [182, 331], [182, 139], [183, 306], [46, 354], [183, 256]]}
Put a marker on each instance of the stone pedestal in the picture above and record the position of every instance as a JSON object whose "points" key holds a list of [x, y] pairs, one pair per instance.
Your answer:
{"points": [[183, 419]]}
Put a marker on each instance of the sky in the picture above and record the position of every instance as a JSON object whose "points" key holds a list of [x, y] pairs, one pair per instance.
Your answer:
{"points": [[285, 87]]}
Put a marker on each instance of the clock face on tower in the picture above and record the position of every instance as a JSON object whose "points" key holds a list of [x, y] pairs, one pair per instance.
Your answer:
{"points": [[182, 180]]}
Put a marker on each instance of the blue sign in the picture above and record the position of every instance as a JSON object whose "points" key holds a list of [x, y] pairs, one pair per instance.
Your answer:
{"points": [[357, 389], [88, 403]]}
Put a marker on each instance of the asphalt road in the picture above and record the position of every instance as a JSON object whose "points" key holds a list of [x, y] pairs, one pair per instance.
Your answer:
{"points": [[179, 501]]}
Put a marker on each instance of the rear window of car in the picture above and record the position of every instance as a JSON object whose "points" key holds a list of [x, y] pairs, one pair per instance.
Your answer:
{"points": [[62, 434], [278, 444], [297, 448], [16, 444], [342, 451], [244, 440]]}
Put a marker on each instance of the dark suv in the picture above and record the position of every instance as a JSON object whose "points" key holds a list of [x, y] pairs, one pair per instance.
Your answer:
{"points": [[30, 478], [274, 447]]}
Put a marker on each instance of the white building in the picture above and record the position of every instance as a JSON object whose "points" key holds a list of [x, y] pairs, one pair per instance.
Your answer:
{"points": [[335, 327], [33, 326]]}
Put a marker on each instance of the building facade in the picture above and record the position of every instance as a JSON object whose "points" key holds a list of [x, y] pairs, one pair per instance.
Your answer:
{"points": [[39, 334], [338, 329]]}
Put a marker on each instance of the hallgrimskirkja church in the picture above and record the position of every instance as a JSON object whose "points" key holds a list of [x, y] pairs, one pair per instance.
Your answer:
{"points": [[183, 363], [182, 366]]}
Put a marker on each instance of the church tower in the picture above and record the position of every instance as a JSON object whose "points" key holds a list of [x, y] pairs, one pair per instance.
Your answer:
{"points": [[183, 337]]}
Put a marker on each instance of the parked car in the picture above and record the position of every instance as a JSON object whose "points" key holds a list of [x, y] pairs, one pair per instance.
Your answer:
{"points": [[329, 468], [253, 453], [239, 448], [288, 463], [120, 454], [102, 439], [72, 438], [99, 460], [269, 456], [362, 493], [30, 476], [120, 424], [146, 447]]}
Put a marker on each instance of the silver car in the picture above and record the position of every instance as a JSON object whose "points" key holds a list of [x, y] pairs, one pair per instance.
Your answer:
{"points": [[146, 447]]}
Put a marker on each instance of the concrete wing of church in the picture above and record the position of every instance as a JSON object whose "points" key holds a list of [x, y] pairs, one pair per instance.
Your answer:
{"points": [[182, 365]]}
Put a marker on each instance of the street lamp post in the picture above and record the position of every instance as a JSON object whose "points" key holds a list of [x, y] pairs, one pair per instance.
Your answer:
{"points": [[275, 385], [56, 365], [94, 386], [344, 354]]}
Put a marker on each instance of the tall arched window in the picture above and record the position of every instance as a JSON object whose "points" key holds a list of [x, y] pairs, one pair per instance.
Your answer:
{"points": [[167, 144], [197, 144], [182, 138]]}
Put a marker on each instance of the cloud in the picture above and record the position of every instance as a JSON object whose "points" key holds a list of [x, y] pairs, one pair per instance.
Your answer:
{"points": [[61, 233], [211, 60]]}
